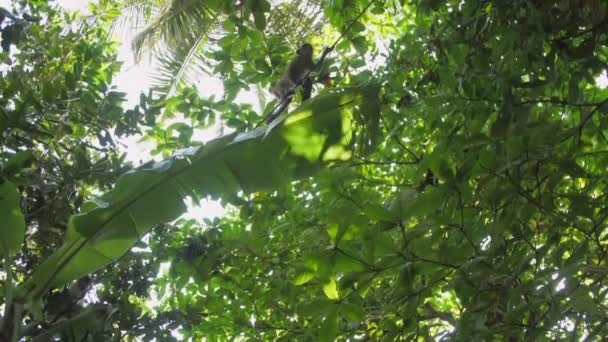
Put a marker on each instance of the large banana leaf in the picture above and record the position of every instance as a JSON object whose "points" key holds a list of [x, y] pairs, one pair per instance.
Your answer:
{"points": [[296, 146]]}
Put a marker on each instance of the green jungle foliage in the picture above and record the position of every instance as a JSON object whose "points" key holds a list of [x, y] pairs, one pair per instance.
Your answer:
{"points": [[446, 181]]}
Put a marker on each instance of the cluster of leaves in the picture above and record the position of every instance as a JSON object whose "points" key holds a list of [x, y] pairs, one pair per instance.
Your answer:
{"points": [[11, 27], [77, 99], [57, 113], [480, 214], [188, 113], [58, 120]]}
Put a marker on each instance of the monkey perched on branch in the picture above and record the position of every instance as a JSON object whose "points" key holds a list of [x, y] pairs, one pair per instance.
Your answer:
{"points": [[296, 74], [299, 67]]}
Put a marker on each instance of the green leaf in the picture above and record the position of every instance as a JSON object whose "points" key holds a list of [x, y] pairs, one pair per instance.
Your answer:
{"points": [[346, 263], [446, 75], [400, 207], [13, 221], [17, 162], [578, 255], [329, 328], [331, 289], [316, 308], [459, 53], [360, 44], [427, 202], [582, 301], [332, 230], [352, 311], [260, 20], [573, 89], [383, 244], [377, 212], [357, 27], [304, 277]]}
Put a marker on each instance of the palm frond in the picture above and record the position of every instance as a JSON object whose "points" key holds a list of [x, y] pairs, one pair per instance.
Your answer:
{"points": [[184, 65], [135, 14], [175, 23], [296, 21]]}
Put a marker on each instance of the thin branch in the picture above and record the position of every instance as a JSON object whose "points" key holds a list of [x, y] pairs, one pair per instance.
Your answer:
{"points": [[588, 116], [462, 230], [399, 142], [432, 313], [388, 162], [561, 102], [359, 260]]}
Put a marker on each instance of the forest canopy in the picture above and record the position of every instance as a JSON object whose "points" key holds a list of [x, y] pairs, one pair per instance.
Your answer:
{"points": [[440, 176]]}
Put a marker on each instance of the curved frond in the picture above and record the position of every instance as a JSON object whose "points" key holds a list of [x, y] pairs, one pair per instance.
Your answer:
{"points": [[135, 14], [183, 65], [296, 21], [175, 23]]}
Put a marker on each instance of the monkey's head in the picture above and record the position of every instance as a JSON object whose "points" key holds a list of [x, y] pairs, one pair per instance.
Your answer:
{"points": [[305, 50]]}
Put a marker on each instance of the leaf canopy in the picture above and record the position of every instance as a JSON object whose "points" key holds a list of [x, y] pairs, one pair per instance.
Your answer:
{"points": [[461, 195]]}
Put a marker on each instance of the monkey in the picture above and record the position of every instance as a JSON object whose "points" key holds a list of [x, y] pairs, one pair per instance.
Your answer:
{"points": [[298, 68], [429, 179], [296, 74]]}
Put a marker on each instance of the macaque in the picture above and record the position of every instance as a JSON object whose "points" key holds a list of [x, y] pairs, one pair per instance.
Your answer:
{"points": [[298, 68], [296, 74]]}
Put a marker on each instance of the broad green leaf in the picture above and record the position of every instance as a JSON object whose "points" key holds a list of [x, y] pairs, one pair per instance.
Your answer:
{"points": [[291, 147], [13, 222], [331, 289]]}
